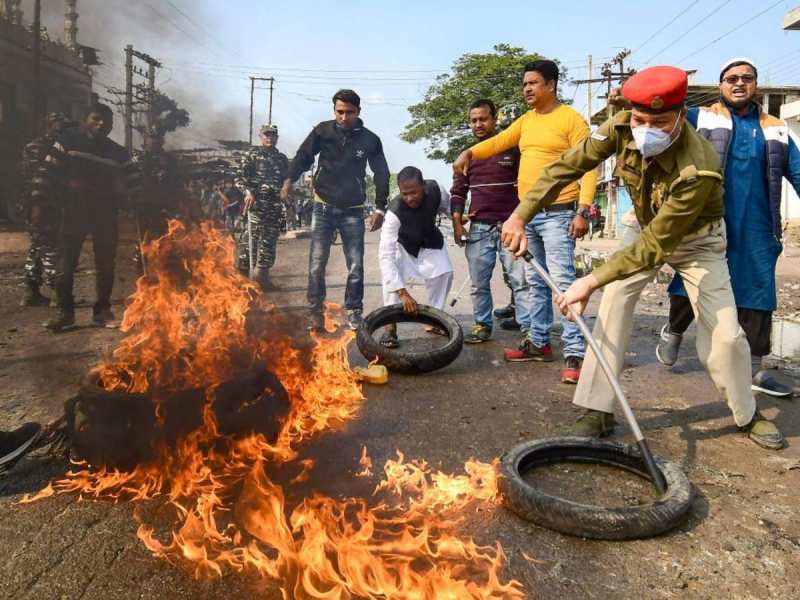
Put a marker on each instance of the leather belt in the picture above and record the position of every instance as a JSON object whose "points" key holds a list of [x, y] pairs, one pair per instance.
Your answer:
{"points": [[561, 206]]}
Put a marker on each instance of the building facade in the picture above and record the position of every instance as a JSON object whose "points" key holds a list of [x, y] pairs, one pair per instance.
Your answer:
{"points": [[65, 85]]}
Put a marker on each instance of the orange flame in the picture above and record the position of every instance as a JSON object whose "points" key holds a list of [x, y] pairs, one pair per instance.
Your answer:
{"points": [[189, 325]]}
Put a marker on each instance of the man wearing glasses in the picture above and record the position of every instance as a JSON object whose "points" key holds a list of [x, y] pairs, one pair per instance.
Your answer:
{"points": [[757, 153]]}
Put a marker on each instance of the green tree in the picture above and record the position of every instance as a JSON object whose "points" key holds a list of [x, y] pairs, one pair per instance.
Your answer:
{"points": [[441, 118], [370, 187]]}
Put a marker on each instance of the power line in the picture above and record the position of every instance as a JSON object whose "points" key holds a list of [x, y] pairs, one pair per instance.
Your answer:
{"points": [[310, 77], [249, 68], [726, 34], [675, 18], [316, 80], [688, 31], [197, 25], [178, 27]]}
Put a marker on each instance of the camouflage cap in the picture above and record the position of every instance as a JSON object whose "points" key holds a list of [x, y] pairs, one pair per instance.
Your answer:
{"points": [[269, 129]]}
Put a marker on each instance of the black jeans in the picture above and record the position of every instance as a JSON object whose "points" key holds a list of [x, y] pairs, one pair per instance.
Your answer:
{"points": [[757, 324], [80, 220]]}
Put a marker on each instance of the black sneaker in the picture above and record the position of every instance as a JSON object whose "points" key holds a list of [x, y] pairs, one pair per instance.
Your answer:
{"points": [[14, 444], [504, 312], [105, 318], [354, 319], [65, 319], [510, 324], [767, 382]]}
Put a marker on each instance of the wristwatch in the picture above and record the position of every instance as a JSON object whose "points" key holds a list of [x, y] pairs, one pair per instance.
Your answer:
{"points": [[583, 211]]}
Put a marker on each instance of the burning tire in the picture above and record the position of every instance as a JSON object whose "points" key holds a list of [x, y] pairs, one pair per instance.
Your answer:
{"points": [[120, 429], [585, 520], [410, 363]]}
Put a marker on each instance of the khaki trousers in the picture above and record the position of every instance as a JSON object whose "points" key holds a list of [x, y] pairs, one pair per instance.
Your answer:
{"points": [[721, 343]]}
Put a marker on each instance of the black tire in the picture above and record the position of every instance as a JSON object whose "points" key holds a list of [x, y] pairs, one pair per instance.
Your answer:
{"points": [[584, 520], [410, 363]]}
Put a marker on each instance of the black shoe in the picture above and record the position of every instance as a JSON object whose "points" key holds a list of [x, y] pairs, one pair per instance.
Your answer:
{"points": [[33, 297], [510, 324], [65, 319], [504, 312], [14, 444], [105, 318], [316, 322], [354, 319]]}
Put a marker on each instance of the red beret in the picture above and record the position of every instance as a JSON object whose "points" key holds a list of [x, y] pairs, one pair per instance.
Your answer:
{"points": [[657, 88]]}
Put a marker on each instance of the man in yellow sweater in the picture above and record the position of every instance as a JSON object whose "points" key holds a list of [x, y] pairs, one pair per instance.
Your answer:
{"points": [[542, 134]]}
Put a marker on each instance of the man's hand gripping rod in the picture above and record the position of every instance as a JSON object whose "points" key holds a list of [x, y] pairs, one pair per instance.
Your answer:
{"points": [[655, 473]]}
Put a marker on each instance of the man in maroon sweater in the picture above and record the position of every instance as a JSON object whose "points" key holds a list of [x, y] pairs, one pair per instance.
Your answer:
{"points": [[492, 185]]}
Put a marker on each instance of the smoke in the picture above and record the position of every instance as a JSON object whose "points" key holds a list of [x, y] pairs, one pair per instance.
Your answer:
{"points": [[158, 28]]}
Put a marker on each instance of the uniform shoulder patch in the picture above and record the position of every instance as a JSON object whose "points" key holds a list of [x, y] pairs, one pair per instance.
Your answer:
{"points": [[599, 137]]}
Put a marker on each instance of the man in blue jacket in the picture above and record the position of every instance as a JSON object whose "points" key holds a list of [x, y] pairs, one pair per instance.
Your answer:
{"points": [[757, 154], [345, 147]]}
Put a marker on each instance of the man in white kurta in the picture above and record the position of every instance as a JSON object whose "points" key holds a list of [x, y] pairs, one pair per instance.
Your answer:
{"points": [[412, 246]]}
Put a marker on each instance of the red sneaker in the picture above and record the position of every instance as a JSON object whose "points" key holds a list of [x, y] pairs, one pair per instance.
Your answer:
{"points": [[572, 370], [528, 351]]}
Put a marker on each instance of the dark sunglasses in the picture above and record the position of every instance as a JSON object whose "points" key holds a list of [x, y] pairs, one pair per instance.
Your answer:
{"points": [[733, 79]]}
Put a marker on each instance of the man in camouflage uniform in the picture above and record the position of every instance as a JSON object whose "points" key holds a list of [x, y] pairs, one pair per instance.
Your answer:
{"points": [[261, 174], [43, 216]]}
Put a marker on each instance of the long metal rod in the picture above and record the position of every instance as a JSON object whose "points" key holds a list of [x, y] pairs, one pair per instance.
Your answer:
{"points": [[250, 245], [460, 291], [655, 472]]}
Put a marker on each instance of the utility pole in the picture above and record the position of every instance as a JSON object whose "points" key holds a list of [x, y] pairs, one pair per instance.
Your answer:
{"points": [[37, 67], [609, 76], [151, 94], [589, 89], [271, 85], [146, 93], [129, 98], [252, 95]]}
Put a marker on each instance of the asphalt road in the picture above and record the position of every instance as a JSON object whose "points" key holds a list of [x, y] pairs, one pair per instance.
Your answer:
{"points": [[741, 540]]}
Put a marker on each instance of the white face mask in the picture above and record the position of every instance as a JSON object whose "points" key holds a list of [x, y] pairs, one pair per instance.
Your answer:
{"points": [[652, 142]]}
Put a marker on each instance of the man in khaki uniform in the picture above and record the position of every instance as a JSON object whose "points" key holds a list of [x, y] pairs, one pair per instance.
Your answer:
{"points": [[674, 180]]}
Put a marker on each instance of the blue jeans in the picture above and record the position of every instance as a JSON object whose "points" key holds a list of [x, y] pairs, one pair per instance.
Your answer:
{"points": [[483, 249], [349, 222], [551, 246]]}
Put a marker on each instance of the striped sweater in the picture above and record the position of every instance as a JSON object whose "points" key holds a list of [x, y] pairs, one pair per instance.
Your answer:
{"points": [[492, 185]]}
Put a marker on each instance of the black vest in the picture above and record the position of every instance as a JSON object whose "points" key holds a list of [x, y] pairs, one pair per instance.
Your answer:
{"points": [[418, 225]]}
